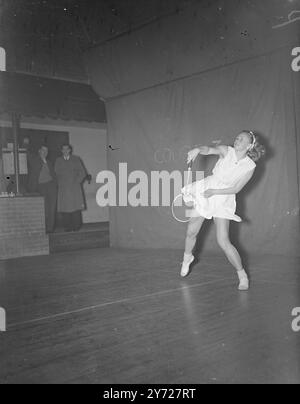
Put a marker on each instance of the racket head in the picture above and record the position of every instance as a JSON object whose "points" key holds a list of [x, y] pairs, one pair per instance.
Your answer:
{"points": [[181, 209]]}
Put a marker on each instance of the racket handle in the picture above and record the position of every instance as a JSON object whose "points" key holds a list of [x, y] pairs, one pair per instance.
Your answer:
{"points": [[189, 175]]}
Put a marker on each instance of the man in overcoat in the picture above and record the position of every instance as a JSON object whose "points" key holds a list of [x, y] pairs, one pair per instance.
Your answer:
{"points": [[70, 173]]}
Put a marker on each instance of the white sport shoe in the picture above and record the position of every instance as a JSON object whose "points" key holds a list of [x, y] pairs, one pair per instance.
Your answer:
{"points": [[244, 281], [185, 269]]}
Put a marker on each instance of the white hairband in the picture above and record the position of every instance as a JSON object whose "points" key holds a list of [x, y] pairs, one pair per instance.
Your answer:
{"points": [[254, 139]]}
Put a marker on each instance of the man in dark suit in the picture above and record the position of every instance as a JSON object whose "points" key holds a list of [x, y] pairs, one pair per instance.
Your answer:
{"points": [[42, 180]]}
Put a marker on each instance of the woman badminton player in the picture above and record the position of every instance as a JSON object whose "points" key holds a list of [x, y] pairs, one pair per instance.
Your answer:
{"points": [[215, 196]]}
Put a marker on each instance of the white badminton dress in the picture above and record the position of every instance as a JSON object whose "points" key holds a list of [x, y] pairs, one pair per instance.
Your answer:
{"points": [[227, 172]]}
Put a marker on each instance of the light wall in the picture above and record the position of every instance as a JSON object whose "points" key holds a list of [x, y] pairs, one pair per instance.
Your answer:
{"points": [[90, 143]]}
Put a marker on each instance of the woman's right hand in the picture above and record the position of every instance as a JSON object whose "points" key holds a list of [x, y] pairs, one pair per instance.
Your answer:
{"points": [[192, 155]]}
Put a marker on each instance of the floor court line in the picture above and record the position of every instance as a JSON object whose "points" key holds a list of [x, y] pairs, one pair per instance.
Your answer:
{"points": [[102, 305]]}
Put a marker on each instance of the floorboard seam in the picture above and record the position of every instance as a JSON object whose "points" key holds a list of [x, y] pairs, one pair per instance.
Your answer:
{"points": [[102, 305]]}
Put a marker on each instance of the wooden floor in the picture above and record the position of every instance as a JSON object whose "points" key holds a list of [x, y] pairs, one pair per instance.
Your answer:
{"points": [[124, 316]]}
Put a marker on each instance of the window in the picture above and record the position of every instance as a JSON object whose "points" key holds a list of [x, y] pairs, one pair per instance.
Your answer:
{"points": [[2, 60]]}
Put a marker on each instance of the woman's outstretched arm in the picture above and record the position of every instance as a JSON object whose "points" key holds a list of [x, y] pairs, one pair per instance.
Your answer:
{"points": [[207, 151]]}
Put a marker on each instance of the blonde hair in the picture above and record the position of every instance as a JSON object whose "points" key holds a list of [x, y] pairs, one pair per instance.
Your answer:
{"points": [[257, 150]]}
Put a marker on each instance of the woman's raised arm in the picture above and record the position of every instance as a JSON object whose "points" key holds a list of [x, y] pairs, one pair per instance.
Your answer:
{"points": [[207, 151]]}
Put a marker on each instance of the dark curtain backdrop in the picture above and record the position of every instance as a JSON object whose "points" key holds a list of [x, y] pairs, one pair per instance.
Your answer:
{"points": [[256, 92]]}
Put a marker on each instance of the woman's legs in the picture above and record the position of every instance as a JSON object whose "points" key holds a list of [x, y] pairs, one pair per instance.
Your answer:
{"points": [[230, 251], [193, 229], [225, 243]]}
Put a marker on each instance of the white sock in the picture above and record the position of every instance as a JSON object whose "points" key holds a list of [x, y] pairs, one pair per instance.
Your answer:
{"points": [[242, 275]]}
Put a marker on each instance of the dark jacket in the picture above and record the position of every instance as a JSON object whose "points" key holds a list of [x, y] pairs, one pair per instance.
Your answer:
{"points": [[35, 165], [70, 175]]}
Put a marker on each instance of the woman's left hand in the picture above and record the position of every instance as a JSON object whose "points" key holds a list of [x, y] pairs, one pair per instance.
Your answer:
{"points": [[209, 193]]}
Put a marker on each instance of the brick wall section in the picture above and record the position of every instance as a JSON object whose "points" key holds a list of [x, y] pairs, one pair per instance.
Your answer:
{"points": [[22, 227]]}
